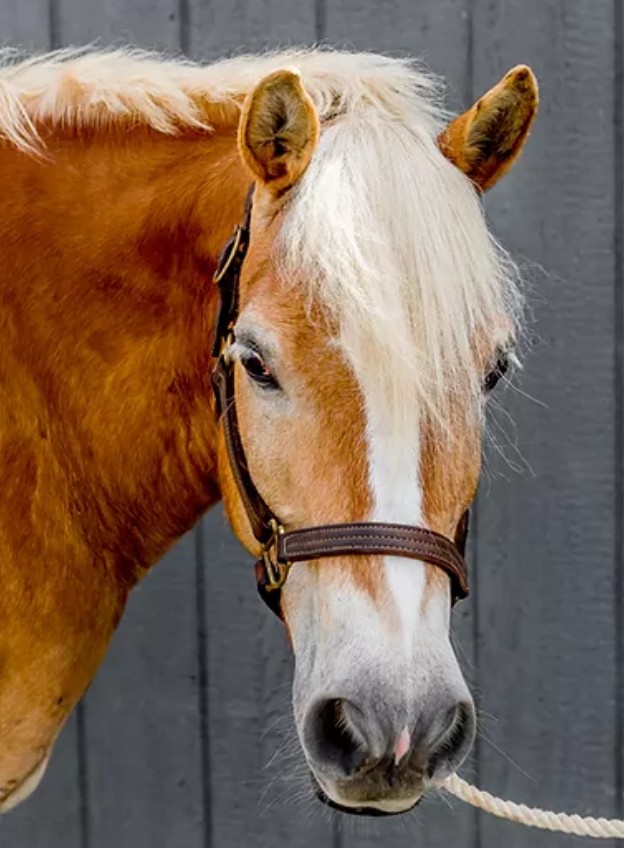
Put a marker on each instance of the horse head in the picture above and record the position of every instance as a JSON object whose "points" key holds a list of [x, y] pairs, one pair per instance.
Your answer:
{"points": [[374, 315]]}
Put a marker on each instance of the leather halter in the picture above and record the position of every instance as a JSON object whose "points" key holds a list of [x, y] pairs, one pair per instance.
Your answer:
{"points": [[281, 547]]}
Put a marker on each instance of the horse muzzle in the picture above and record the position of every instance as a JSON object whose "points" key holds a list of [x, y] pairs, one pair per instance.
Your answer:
{"points": [[365, 763]]}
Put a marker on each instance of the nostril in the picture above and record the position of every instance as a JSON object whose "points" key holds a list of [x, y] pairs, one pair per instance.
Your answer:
{"points": [[454, 742], [332, 738]]}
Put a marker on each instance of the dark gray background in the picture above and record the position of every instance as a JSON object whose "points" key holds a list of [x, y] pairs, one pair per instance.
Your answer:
{"points": [[173, 744]]}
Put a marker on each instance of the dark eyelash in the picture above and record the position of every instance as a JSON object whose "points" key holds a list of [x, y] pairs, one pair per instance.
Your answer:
{"points": [[496, 373], [261, 374]]}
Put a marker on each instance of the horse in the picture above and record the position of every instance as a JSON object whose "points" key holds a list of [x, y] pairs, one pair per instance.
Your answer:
{"points": [[374, 314]]}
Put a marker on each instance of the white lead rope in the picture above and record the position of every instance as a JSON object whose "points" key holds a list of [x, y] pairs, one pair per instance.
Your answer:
{"points": [[533, 817]]}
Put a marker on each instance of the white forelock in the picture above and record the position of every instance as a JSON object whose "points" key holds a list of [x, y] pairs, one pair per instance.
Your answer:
{"points": [[392, 238]]}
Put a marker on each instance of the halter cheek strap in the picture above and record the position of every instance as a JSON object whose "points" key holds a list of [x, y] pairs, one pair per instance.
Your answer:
{"points": [[281, 548]]}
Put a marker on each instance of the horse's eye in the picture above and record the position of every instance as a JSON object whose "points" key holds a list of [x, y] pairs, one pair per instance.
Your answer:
{"points": [[256, 368], [496, 373]]}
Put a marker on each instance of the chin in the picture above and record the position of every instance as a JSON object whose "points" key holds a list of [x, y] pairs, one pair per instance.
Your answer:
{"points": [[371, 807]]}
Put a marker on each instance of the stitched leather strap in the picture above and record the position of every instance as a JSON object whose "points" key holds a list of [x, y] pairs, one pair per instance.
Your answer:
{"points": [[369, 538], [227, 277], [258, 513]]}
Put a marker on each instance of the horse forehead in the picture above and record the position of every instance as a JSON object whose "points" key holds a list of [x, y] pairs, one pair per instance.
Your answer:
{"points": [[346, 393], [280, 310]]}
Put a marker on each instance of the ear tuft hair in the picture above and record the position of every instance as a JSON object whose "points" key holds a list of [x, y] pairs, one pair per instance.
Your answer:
{"points": [[279, 130]]}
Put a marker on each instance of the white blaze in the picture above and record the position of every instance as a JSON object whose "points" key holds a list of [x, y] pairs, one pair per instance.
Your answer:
{"points": [[394, 474]]}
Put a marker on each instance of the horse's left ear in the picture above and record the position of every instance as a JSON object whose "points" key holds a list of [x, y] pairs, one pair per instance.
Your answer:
{"points": [[486, 140], [278, 130]]}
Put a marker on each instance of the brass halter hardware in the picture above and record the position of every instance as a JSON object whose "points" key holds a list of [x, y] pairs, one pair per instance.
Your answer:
{"points": [[232, 246], [276, 570]]}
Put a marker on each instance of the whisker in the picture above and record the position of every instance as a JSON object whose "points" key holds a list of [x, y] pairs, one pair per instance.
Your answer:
{"points": [[515, 388], [506, 757]]}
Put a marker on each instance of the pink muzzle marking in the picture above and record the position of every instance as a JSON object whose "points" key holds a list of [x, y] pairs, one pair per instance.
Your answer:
{"points": [[402, 746]]}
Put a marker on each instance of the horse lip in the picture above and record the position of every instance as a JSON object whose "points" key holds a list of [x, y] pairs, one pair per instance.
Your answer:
{"points": [[366, 812]]}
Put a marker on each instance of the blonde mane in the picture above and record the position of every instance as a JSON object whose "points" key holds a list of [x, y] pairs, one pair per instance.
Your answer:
{"points": [[383, 229], [86, 88]]}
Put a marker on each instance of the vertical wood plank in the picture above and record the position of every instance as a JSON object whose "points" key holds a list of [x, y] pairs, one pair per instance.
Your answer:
{"points": [[243, 26], [618, 256], [148, 23], [142, 718], [25, 24], [546, 540], [439, 33]]}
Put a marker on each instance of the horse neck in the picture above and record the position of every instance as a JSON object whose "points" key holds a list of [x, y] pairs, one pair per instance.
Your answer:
{"points": [[107, 248]]}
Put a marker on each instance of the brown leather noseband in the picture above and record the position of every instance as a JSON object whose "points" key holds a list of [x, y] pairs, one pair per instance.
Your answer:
{"points": [[281, 547]]}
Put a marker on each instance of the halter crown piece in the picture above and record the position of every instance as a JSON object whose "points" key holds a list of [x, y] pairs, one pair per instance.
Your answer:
{"points": [[281, 548]]}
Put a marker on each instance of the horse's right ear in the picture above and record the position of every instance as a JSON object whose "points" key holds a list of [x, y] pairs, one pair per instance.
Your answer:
{"points": [[278, 130]]}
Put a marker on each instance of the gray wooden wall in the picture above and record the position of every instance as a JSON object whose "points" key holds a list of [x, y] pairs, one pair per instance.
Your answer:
{"points": [[176, 742]]}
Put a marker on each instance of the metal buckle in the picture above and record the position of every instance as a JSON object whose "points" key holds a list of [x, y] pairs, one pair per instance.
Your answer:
{"points": [[235, 244], [276, 571], [228, 341]]}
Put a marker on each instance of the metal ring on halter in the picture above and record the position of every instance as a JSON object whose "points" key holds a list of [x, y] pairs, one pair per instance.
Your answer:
{"points": [[276, 569]]}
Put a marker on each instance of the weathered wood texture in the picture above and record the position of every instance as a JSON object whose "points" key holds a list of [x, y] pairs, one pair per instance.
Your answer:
{"points": [[185, 739], [546, 642]]}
